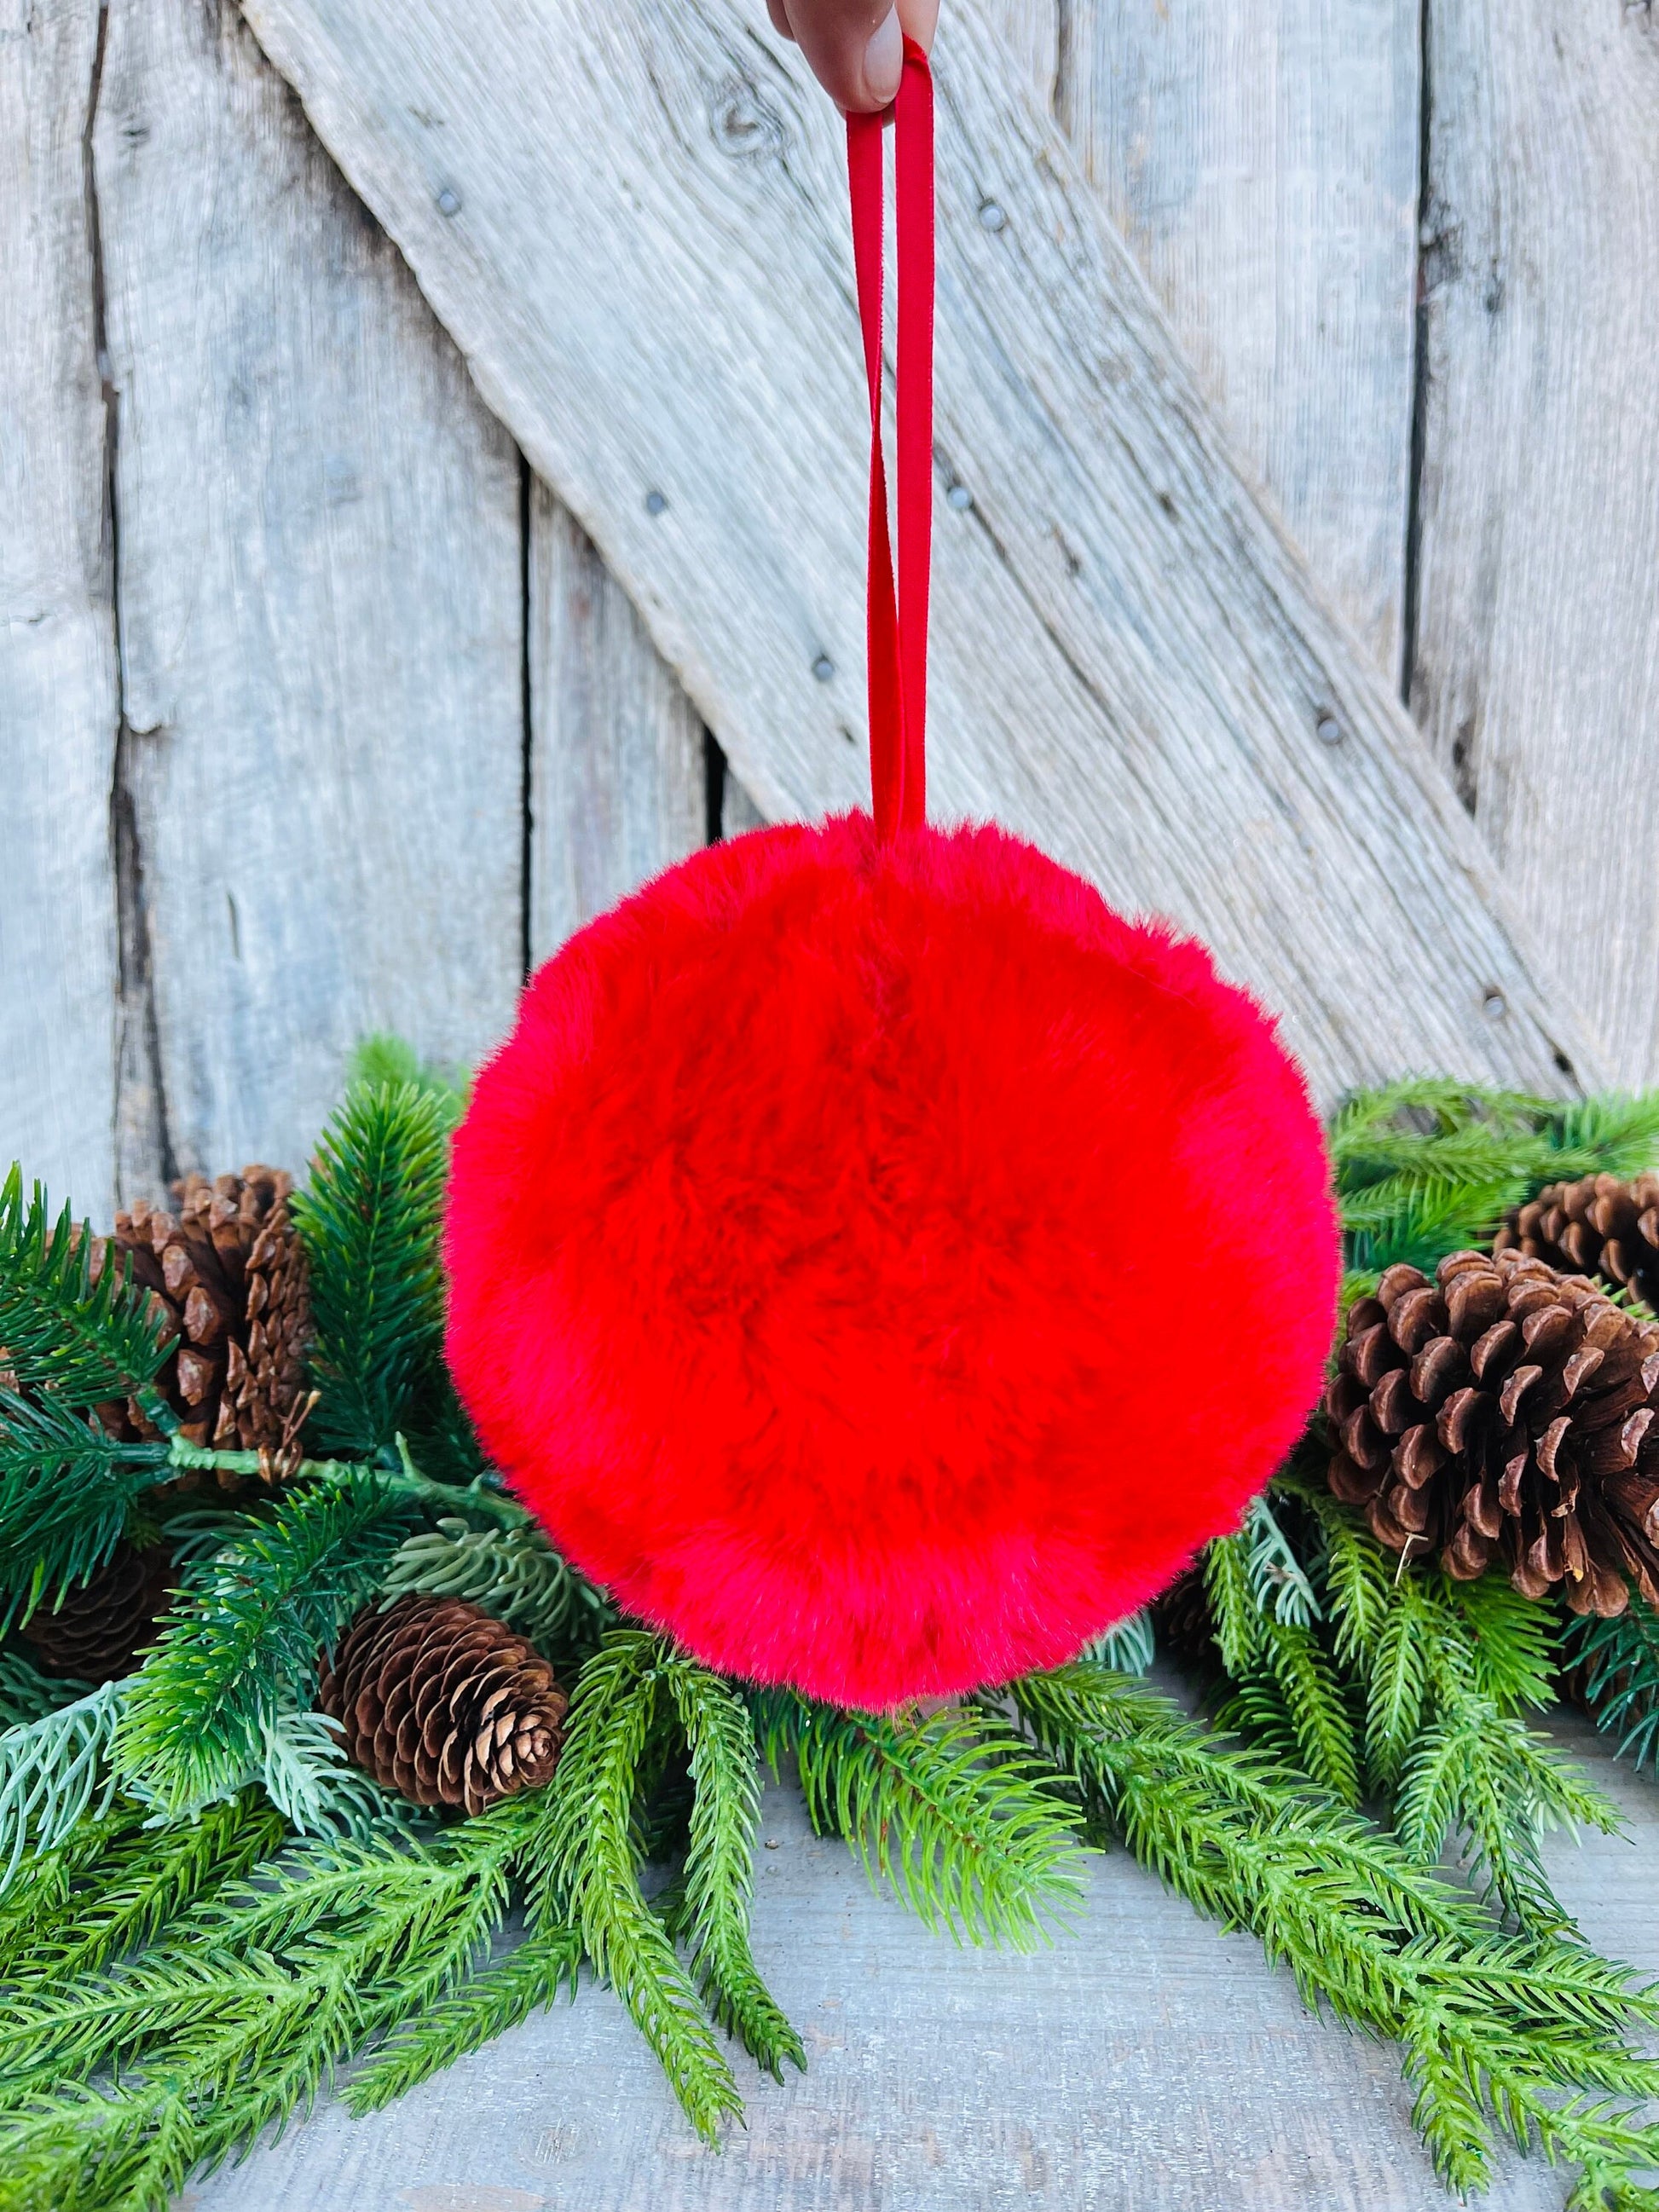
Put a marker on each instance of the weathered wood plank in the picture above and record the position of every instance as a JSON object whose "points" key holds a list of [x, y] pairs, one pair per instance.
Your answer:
{"points": [[633, 220], [1537, 661], [1031, 31], [1145, 2061], [618, 788], [60, 710], [1262, 163], [321, 594]]}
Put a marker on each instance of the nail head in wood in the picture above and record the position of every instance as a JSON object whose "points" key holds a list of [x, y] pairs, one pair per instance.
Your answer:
{"points": [[449, 201], [824, 668]]}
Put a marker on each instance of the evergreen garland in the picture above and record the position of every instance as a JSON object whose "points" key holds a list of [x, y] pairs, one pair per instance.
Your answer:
{"points": [[220, 1913]]}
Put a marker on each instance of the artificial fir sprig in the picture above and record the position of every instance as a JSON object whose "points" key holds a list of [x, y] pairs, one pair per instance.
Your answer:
{"points": [[245, 1645], [1495, 2028], [1617, 1665], [951, 1810], [68, 1492], [718, 1881], [81, 1341], [588, 1874], [369, 1225]]}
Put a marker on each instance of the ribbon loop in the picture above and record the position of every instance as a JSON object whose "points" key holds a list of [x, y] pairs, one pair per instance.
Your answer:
{"points": [[897, 618]]}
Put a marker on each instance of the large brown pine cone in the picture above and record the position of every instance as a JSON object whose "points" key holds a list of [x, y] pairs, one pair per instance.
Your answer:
{"points": [[443, 1703], [1505, 1411], [98, 1630], [229, 1271], [1598, 1226]]}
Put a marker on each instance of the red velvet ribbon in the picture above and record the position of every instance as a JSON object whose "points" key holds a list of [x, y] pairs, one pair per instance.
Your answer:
{"points": [[897, 620]]}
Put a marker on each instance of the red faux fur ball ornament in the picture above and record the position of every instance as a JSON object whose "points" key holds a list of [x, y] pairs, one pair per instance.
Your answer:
{"points": [[843, 1265]]}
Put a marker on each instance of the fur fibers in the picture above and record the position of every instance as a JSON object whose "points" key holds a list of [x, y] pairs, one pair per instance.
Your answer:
{"points": [[881, 1267]]}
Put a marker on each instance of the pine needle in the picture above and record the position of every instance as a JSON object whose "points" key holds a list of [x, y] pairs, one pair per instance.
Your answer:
{"points": [[67, 1493], [513, 1573], [244, 1646], [1619, 1664], [1495, 2029], [497, 1997], [585, 1874], [81, 1341], [369, 1223], [952, 1811], [27, 1694], [51, 1771], [133, 1883], [718, 1883]]}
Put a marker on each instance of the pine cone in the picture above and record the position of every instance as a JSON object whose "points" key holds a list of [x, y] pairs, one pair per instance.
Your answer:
{"points": [[98, 1630], [442, 1702], [229, 1271], [1505, 1411], [1599, 1226]]}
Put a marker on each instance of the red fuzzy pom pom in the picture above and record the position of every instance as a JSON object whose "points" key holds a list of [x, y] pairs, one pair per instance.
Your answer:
{"points": [[832, 1242]]}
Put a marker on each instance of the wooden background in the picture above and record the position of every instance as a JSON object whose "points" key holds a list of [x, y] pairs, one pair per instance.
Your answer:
{"points": [[1295, 361], [430, 495]]}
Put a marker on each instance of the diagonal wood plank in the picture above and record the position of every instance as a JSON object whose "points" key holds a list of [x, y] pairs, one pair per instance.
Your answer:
{"points": [[632, 220], [322, 615], [1261, 163], [1537, 662], [59, 708]]}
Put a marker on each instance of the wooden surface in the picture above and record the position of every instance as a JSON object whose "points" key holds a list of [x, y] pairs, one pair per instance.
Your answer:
{"points": [[1537, 672], [58, 707], [1146, 2063], [1261, 163], [618, 780], [321, 614], [633, 222]]}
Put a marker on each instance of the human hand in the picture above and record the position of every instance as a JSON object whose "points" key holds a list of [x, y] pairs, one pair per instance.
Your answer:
{"points": [[856, 47]]}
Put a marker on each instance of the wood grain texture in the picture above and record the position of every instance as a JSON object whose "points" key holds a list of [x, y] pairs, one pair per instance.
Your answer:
{"points": [[618, 788], [60, 710], [1144, 2064], [1031, 29], [321, 594], [1262, 165], [1537, 663], [644, 259]]}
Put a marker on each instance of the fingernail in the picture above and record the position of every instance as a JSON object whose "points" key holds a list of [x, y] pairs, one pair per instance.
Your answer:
{"points": [[883, 62]]}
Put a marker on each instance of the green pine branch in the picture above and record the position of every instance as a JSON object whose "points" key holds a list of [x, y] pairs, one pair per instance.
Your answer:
{"points": [[1496, 2030], [497, 1997], [67, 1495], [585, 1874], [717, 1883], [1618, 1664], [81, 1341], [129, 1886], [242, 1646], [240, 2016], [370, 1225], [952, 1811], [27, 1694], [513, 1573], [51, 1771], [1425, 1167]]}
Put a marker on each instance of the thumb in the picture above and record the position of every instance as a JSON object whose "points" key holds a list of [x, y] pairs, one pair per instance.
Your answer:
{"points": [[856, 47]]}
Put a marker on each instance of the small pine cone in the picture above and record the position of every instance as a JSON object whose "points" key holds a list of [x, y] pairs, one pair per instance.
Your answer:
{"points": [[1505, 1412], [443, 1703], [1598, 1226], [98, 1630], [228, 1271]]}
